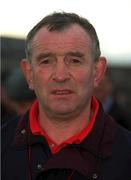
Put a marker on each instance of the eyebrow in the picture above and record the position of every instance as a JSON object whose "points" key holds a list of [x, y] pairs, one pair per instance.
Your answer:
{"points": [[44, 55], [76, 53]]}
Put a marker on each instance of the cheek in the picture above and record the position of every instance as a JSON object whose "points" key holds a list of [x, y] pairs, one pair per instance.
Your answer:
{"points": [[85, 78], [80, 85], [39, 79]]}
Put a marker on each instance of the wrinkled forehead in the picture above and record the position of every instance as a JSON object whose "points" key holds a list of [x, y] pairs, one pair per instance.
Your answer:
{"points": [[74, 34]]}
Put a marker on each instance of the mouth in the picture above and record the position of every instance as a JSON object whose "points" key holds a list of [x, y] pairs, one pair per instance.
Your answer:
{"points": [[61, 92]]}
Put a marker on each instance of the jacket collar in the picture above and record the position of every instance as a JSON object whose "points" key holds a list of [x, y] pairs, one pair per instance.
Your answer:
{"points": [[99, 141]]}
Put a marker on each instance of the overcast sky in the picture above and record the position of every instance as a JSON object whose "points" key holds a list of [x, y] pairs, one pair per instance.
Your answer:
{"points": [[111, 18]]}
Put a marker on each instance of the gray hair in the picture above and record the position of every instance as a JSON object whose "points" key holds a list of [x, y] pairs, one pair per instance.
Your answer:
{"points": [[58, 21]]}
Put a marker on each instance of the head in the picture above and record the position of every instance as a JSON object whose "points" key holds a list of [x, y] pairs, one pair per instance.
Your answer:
{"points": [[63, 64]]}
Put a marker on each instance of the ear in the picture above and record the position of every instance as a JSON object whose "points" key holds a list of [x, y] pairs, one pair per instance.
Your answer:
{"points": [[100, 69], [27, 70]]}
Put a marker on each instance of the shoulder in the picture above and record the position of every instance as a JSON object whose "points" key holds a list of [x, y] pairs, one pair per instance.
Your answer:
{"points": [[122, 145], [123, 136], [8, 131], [122, 133], [9, 126]]}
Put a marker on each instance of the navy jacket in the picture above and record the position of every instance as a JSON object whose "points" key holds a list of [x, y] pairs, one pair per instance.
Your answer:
{"points": [[104, 155]]}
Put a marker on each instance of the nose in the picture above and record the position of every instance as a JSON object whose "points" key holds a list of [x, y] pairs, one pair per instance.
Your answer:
{"points": [[61, 72]]}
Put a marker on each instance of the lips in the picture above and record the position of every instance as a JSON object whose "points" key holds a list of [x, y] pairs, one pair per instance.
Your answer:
{"points": [[62, 92]]}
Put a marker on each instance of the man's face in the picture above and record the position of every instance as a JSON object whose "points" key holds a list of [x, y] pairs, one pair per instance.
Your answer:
{"points": [[62, 71]]}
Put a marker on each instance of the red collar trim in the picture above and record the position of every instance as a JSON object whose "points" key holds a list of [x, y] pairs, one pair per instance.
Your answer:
{"points": [[78, 138]]}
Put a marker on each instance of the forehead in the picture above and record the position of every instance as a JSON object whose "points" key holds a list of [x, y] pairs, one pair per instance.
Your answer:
{"points": [[71, 37]]}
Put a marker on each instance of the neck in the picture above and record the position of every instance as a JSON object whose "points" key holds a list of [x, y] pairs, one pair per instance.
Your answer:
{"points": [[62, 129]]}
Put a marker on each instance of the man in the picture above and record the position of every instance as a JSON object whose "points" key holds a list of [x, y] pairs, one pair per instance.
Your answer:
{"points": [[65, 135]]}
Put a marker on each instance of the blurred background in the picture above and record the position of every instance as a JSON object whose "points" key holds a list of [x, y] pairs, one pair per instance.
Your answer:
{"points": [[111, 20]]}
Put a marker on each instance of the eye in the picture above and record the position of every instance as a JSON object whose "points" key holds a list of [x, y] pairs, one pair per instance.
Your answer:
{"points": [[45, 61], [75, 61]]}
